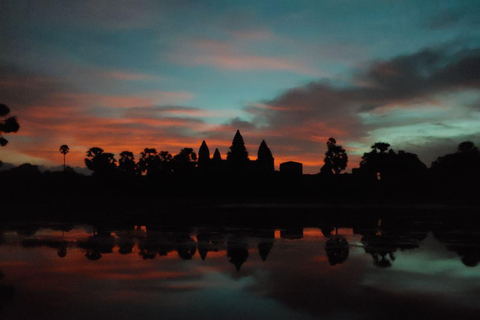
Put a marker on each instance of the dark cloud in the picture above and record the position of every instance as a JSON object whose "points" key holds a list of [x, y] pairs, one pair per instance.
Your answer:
{"points": [[452, 18], [399, 80], [240, 124], [444, 19], [23, 88]]}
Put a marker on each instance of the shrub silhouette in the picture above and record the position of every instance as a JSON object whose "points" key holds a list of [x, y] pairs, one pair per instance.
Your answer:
{"points": [[184, 162]]}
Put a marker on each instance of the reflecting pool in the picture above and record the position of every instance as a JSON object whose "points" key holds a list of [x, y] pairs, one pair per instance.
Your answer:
{"points": [[375, 270]]}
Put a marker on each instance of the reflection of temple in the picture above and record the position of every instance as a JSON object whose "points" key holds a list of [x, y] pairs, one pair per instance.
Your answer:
{"points": [[238, 253], [265, 244], [292, 233], [209, 240], [237, 249]]}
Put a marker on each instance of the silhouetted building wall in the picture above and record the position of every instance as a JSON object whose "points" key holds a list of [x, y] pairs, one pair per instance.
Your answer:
{"points": [[291, 168]]}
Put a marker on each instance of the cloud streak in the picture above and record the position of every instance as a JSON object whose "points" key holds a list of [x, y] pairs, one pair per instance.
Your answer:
{"points": [[233, 55]]}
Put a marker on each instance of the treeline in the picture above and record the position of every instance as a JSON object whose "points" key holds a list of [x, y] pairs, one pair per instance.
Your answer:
{"points": [[186, 163], [383, 175]]}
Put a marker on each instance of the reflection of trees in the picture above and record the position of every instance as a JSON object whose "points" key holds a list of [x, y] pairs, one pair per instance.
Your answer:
{"points": [[125, 245], [154, 242], [61, 245], [381, 248], [6, 292], [185, 247], [62, 251], [337, 249], [125, 241], [464, 242], [27, 230], [160, 241], [382, 242], [101, 242]]}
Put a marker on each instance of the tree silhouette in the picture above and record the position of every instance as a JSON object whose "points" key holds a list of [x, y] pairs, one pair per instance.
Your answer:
{"points": [[375, 161], [238, 155], [388, 165], [7, 125], [381, 147], [64, 149], [462, 165], [336, 158], [466, 146], [265, 161], [184, 162], [149, 162], [153, 163], [165, 156], [101, 163], [126, 163]]}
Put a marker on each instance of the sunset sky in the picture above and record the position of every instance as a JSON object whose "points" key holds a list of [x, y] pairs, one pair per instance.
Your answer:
{"points": [[125, 75]]}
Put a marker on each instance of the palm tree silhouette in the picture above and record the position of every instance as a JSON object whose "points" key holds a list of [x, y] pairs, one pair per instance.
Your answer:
{"points": [[64, 149]]}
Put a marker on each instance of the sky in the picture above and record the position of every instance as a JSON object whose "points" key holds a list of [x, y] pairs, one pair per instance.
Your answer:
{"points": [[126, 75]]}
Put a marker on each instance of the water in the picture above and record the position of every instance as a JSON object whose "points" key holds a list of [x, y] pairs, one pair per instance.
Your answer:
{"points": [[350, 271]]}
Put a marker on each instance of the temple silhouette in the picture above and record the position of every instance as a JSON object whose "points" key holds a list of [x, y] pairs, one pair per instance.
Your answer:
{"points": [[237, 160], [384, 175]]}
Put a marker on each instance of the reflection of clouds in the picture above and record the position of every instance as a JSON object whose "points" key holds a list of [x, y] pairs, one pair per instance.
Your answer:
{"points": [[358, 288], [296, 277]]}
